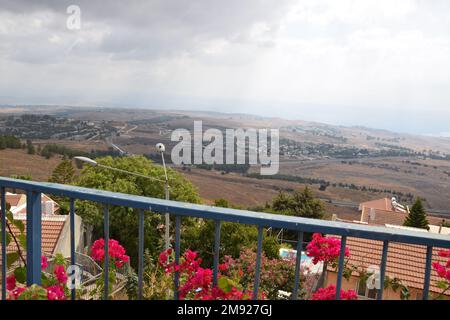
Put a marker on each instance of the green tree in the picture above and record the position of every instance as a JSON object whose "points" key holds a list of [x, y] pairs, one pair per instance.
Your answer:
{"points": [[30, 147], [417, 216], [124, 221], [282, 203], [221, 203], [301, 203], [304, 204], [63, 173], [235, 237]]}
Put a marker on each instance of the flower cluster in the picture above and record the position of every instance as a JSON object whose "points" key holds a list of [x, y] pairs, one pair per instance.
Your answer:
{"points": [[115, 251], [443, 271], [324, 249], [329, 293], [55, 284], [275, 274], [196, 282], [56, 292]]}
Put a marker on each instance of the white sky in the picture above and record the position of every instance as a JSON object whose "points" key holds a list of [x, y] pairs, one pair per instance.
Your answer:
{"points": [[377, 63]]}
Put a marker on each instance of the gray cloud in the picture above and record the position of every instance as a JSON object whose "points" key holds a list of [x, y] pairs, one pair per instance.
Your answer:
{"points": [[275, 57]]}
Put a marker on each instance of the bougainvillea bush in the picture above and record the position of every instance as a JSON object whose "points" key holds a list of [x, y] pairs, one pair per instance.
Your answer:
{"points": [[53, 287], [327, 250], [443, 271], [196, 283], [276, 274], [117, 259]]}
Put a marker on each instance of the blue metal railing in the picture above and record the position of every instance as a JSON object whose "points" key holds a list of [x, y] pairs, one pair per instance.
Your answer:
{"points": [[181, 209]]}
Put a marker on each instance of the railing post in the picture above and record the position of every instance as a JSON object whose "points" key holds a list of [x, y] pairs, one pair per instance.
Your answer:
{"points": [[106, 259], [176, 278], [3, 206], [383, 269], [426, 282], [72, 245], [141, 254], [298, 266], [341, 267], [216, 251], [34, 238], [258, 263]]}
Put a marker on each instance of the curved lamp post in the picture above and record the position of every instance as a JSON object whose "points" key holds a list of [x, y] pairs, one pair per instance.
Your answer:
{"points": [[166, 185]]}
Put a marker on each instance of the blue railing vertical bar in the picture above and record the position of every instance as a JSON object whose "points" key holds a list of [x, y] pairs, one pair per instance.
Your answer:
{"points": [[258, 263], [34, 190], [216, 251], [3, 207], [176, 278], [340, 268], [34, 233], [106, 259], [141, 254], [72, 244], [426, 281], [383, 269], [298, 265]]}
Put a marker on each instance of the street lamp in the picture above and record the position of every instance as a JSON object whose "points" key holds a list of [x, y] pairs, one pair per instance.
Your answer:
{"points": [[161, 148], [166, 184]]}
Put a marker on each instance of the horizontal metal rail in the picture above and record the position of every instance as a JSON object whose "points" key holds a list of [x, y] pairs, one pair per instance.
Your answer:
{"points": [[181, 209]]}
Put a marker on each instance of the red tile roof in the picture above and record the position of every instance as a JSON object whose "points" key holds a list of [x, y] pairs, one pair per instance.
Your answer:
{"points": [[383, 217], [404, 261], [51, 231]]}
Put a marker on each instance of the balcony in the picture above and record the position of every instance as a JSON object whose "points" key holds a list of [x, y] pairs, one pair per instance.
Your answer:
{"points": [[180, 210]]}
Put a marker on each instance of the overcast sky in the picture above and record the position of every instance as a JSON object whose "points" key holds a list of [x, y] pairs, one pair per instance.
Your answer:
{"points": [[378, 63]]}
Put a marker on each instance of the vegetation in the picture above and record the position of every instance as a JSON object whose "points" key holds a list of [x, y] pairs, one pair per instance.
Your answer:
{"points": [[234, 238], [124, 221], [10, 142], [406, 197], [51, 149], [301, 203], [417, 217], [30, 147], [63, 173]]}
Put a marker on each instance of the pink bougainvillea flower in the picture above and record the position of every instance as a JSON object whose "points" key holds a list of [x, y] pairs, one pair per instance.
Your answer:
{"points": [[324, 249], [60, 274], [440, 269], [444, 253], [329, 293], [10, 283], [44, 262], [55, 293], [223, 267], [115, 251], [14, 294]]}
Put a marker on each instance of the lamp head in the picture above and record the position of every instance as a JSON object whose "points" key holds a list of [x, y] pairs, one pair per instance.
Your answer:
{"points": [[87, 160], [160, 147]]}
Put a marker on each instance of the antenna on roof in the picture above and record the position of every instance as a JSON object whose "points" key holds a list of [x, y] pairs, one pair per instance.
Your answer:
{"points": [[397, 206]]}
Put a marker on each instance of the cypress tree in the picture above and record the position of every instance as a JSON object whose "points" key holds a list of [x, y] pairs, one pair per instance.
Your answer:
{"points": [[417, 217], [63, 173]]}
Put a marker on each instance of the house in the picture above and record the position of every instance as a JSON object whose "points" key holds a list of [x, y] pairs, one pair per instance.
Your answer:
{"points": [[404, 261], [55, 227], [387, 212]]}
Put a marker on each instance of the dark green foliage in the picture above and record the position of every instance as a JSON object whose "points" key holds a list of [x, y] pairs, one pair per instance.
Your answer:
{"points": [[124, 221], [301, 203], [30, 147], [10, 142], [63, 173], [417, 217]]}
